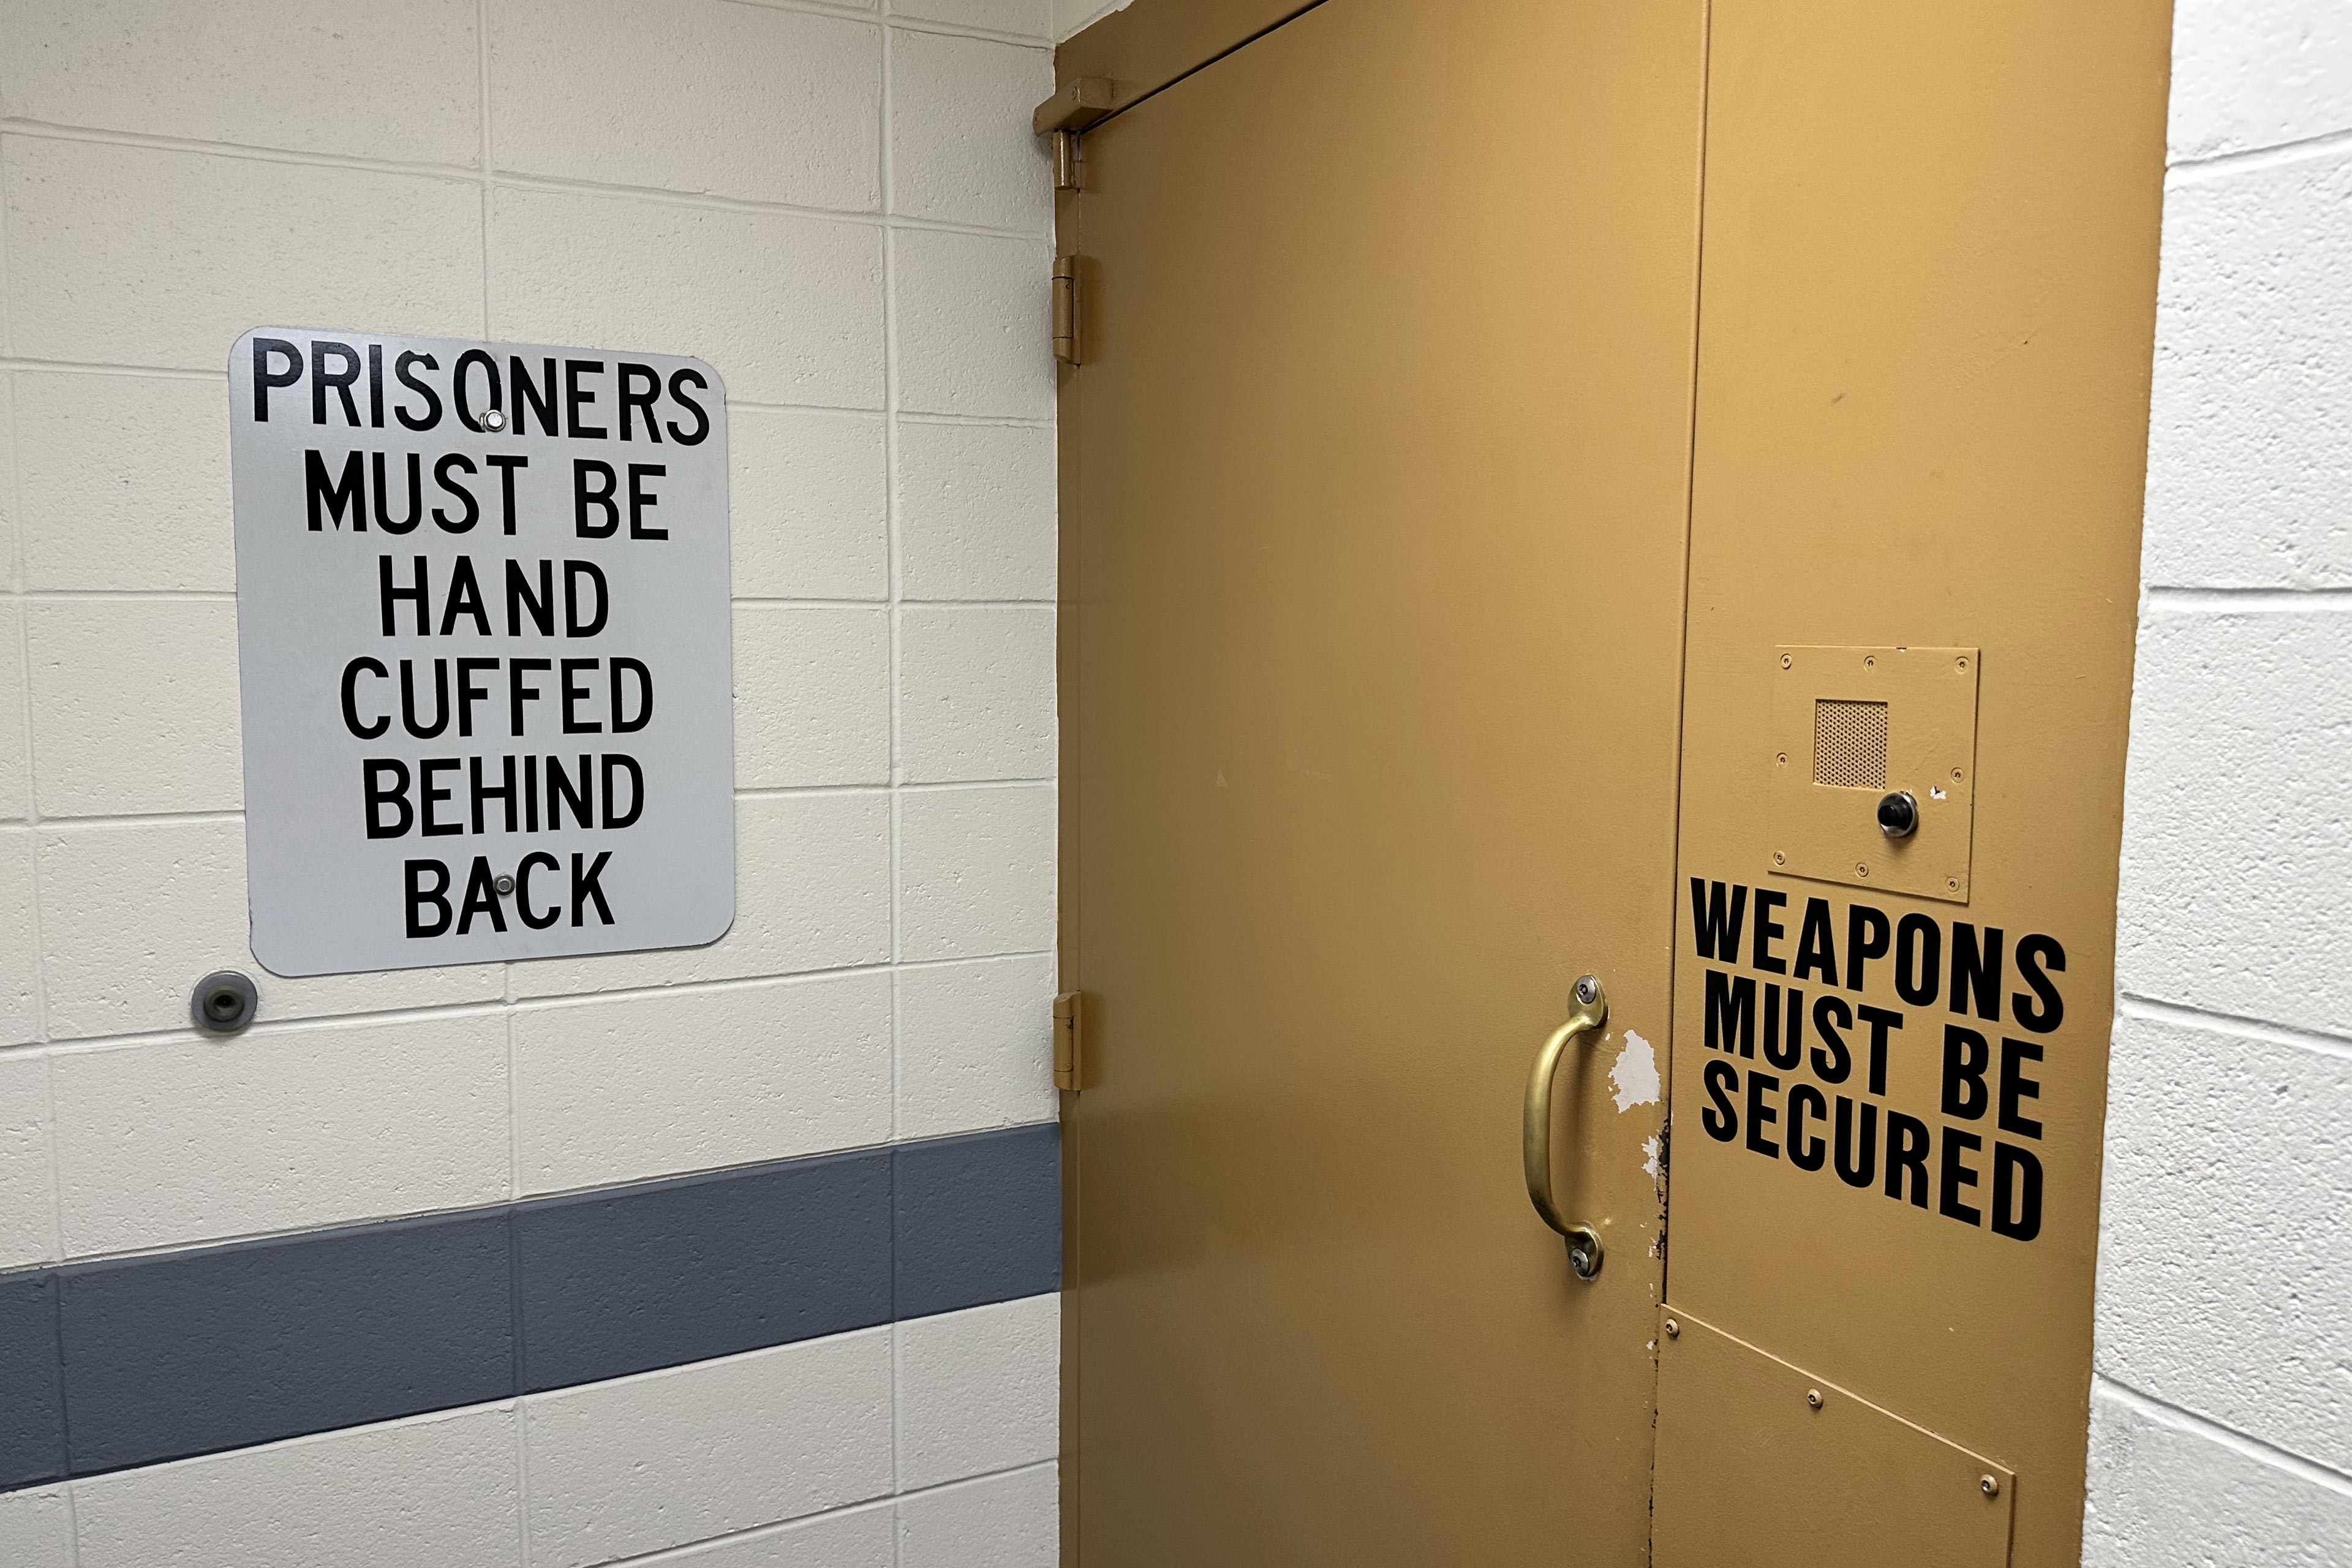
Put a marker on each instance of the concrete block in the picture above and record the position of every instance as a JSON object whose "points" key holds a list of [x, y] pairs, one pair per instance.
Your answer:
{"points": [[135, 706], [812, 892], [28, 1203], [1033, 18], [979, 1391], [125, 482], [210, 1350], [436, 1489], [20, 947], [16, 777], [32, 1369], [615, 1090], [960, 146], [2245, 77], [2233, 818], [975, 1045], [976, 511], [976, 871], [614, 1282], [280, 1130], [973, 325], [2225, 1253], [36, 1528], [396, 82], [690, 95], [854, 1538], [2247, 467], [976, 692], [132, 915], [9, 563], [1071, 16], [642, 1463], [811, 497], [977, 1220], [147, 255], [788, 309], [812, 696], [1003, 1521], [2165, 1493]]}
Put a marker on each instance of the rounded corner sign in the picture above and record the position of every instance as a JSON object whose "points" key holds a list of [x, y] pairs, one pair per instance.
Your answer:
{"points": [[484, 650]]}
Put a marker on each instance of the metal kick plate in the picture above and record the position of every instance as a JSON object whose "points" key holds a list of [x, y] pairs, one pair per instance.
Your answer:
{"points": [[1849, 725], [1762, 1465]]}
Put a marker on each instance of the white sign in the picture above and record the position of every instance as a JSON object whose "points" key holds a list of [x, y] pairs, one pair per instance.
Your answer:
{"points": [[483, 624]]}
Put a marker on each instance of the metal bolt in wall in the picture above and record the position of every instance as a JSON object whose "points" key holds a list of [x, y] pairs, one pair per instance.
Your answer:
{"points": [[223, 1002]]}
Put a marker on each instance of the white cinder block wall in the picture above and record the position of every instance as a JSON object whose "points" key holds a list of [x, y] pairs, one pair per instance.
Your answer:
{"points": [[2221, 1416], [838, 205], [1071, 15]]}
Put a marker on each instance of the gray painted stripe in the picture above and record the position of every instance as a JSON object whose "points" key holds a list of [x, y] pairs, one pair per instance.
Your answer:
{"points": [[32, 1397], [107, 1366], [192, 1352], [979, 1219], [614, 1283]]}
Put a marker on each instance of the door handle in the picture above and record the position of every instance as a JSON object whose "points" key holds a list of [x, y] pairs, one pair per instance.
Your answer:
{"points": [[1591, 1013]]}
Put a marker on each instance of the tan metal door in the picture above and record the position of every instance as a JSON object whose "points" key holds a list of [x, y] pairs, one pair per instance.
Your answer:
{"points": [[1930, 312], [1375, 495]]}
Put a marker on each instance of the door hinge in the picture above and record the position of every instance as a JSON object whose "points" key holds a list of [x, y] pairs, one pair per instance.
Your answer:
{"points": [[1069, 161], [1070, 1041], [1077, 105], [1067, 344]]}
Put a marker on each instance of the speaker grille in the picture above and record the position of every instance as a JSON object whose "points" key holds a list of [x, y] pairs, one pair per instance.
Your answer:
{"points": [[1850, 744]]}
